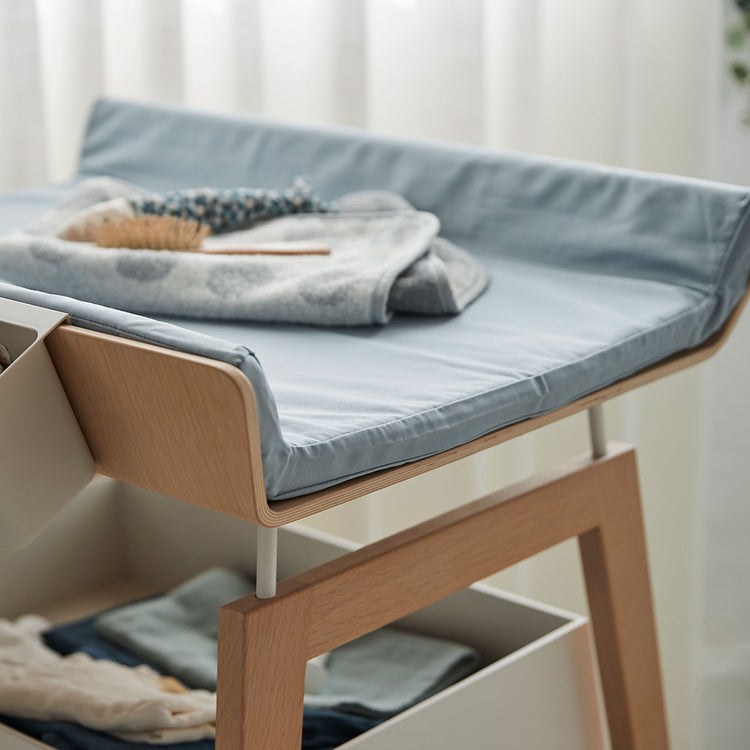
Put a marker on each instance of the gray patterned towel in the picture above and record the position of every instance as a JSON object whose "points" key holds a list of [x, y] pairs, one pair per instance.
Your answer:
{"points": [[385, 257]]}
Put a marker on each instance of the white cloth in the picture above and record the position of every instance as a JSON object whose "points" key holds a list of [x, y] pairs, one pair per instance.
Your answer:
{"points": [[130, 703]]}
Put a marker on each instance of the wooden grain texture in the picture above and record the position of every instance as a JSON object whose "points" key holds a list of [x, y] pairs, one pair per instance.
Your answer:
{"points": [[377, 584], [261, 678], [182, 425], [186, 426], [371, 587], [615, 565]]}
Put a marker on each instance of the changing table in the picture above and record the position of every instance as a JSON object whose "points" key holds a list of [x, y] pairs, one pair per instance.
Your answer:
{"points": [[601, 281]]}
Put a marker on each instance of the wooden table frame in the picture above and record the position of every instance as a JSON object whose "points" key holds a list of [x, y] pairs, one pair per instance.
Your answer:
{"points": [[264, 643], [149, 417]]}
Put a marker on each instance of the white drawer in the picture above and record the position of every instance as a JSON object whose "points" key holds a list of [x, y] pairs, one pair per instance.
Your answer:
{"points": [[536, 690]]}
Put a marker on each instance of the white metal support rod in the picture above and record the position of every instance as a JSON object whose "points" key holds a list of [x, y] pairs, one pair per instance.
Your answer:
{"points": [[598, 433], [265, 570]]}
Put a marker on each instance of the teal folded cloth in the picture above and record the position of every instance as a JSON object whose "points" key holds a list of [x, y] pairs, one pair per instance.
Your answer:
{"points": [[389, 670], [377, 675], [178, 631]]}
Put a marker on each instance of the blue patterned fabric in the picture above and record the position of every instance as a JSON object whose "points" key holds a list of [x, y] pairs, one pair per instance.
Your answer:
{"points": [[231, 209]]}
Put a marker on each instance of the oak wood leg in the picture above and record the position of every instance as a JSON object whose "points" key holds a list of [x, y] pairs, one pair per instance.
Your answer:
{"points": [[615, 565], [261, 682]]}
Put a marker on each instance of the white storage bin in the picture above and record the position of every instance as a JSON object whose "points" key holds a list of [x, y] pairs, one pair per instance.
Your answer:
{"points": [[536, 690], [44, 459]]}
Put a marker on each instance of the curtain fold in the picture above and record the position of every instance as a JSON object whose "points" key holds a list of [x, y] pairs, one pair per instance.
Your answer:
{"points": [[143, 54], [23, 154], [624, 82]]}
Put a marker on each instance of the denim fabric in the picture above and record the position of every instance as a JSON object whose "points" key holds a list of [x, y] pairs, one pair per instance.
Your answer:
{"points": [[322, 730]]}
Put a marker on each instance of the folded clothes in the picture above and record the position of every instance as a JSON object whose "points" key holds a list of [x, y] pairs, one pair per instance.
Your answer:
{"points": [[387, 671], [322, 729], [65, 735], [367, 680], [133, 703], [376, 675], [385, 257], [81, 637], [178, 632]]}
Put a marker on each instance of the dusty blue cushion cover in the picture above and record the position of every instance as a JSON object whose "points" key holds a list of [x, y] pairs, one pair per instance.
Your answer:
{"points": [[595, 274]]}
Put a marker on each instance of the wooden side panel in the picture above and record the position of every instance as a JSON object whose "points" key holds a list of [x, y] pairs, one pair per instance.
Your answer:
{"points": [[171, 422]]}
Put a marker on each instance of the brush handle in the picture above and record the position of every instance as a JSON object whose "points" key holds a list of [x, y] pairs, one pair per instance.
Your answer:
{"points": [[303, 247]]}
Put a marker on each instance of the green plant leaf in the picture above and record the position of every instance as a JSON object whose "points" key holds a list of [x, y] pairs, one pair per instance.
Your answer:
{"points": [[736, 36], [740, 71]]}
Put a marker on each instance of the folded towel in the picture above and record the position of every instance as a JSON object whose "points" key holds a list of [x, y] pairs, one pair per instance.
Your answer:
{"points": [[80, 636], [383, 259], [376, 675], [132, 703], [389, 670], [178, 632]]}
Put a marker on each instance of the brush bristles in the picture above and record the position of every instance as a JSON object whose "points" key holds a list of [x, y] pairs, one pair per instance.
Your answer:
{"points": [[151, 233]]}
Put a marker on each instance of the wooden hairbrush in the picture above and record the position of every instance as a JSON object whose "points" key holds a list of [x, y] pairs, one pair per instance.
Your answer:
{"points": [[185, 235]]}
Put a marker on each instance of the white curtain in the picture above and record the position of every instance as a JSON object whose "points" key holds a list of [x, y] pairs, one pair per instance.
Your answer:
{"points": [[625, 82]]}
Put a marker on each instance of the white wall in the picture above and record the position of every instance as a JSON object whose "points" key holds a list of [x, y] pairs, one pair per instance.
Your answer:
{"points": [[722, 646]]}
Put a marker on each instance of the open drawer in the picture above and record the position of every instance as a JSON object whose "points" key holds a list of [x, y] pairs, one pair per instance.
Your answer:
{"points": [[44, 459], [120, 542]]}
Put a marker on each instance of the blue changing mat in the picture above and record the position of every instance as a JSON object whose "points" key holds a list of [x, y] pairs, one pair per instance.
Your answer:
{"points": [[596, 273]]}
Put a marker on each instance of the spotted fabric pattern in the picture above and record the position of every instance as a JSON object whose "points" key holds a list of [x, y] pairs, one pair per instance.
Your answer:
{"points": [[385, 257], [145, 267]]}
